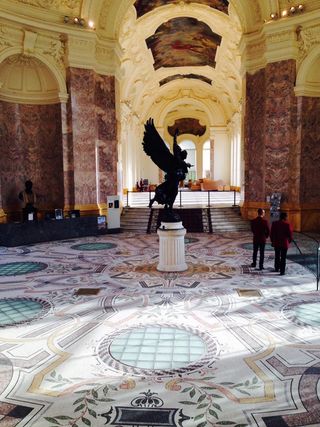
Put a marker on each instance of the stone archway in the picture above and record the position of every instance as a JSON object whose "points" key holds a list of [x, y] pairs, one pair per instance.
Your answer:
{"points": [[31, 140]]}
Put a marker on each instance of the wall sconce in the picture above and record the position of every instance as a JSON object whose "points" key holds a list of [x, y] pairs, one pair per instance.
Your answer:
{"points": [[285, 12]]}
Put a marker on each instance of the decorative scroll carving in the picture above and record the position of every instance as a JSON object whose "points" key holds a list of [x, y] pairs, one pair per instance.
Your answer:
{"points": [[4, 42], [23, 60], [56, 50], [307, 38]]}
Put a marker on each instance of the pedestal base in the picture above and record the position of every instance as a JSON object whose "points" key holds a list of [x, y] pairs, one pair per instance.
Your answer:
{"points": [[171, 247]]}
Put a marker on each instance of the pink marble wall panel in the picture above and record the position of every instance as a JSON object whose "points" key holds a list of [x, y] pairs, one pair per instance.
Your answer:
{"points": [[31, 148], [68, 159], [107, 135], [254, 150], [281, 144], [81, 85], [309, 109], [272, 148]]}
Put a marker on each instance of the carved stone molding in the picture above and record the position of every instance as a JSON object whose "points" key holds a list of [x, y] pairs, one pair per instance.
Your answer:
{"points": [[53, 49], [5, 42], [65, 5], [307, 38], [104, 14], [280, 36], [56, 50]]}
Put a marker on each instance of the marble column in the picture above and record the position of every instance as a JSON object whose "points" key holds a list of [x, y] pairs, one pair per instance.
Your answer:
{"points": [[81, 87], [94, 138], [68, 160], [309, 130], [106, 142], [211, 158], [272, 146]]}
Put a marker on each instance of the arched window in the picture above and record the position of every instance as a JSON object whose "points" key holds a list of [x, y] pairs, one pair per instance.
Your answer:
{"points": [[206, 160], [190, 148]]}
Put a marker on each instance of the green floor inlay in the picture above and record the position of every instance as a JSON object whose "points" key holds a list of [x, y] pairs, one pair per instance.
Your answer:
{"points": [[191, 240], [308, 313], [16, 268], [20, 310], [157, 348], [93, 246]]}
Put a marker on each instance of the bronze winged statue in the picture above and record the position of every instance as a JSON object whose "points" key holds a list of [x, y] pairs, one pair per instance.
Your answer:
{"points": [[173, 165]]}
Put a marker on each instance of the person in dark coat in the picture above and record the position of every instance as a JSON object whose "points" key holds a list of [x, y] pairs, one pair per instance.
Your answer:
{"points": [[281, 237], [261, 231]]}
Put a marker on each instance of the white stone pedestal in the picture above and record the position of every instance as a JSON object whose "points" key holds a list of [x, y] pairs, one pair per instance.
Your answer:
{"points": [[171, 247]]}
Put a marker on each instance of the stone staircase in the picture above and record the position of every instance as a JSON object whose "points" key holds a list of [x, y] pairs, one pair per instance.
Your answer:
{"points": [[227, 219], [215, 220], [135, 219]]}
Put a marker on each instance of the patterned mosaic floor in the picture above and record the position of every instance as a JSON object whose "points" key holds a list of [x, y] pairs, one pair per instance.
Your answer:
{"points": [[93, 335]]}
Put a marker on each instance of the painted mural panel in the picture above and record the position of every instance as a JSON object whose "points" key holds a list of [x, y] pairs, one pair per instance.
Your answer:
{"points": [[145, 6], [187, 125], [185, 76], [183, 42]]}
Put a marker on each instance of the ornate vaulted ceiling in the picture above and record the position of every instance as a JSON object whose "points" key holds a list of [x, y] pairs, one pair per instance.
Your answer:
{"points": [[172, 58], [145, 6], [182, 60]]}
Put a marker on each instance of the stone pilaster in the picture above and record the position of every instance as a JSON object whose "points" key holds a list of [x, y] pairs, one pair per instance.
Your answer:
{"points": [[93, 130], [106, 145], [81, 86]]}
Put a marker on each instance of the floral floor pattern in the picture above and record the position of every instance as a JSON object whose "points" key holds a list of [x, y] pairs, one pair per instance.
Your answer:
{"points": [[93, 335]]}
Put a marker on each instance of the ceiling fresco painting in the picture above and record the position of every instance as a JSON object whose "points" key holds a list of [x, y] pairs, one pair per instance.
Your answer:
{"points": [[145, 6], [187, 126], [183, 42], [185, 76]]}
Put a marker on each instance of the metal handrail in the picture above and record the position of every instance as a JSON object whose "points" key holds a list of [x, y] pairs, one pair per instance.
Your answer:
{"points": [[191, 191]]}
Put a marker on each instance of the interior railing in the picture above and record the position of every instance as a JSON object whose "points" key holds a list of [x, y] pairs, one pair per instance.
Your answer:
{"points": [[187, 197], [308, 252]]}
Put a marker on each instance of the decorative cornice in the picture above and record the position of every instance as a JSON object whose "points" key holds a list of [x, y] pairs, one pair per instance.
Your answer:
{"points": [[108, 54], [81, 51], [252, 48]]}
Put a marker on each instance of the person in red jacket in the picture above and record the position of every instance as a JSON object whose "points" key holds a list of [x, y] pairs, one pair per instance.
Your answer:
{"points": [[261, 231], [281, 237]]}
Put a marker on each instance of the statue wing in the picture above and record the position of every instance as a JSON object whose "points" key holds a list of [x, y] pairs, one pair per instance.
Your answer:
{"points": [[155, 147]]}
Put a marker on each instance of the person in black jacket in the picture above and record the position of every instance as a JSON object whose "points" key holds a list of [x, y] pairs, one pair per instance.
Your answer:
{"points": [[261, 231]]}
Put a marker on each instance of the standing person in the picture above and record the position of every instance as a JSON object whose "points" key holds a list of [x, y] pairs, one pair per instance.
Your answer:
{"points": [[261, 231], [29, 199], [281, 237]]}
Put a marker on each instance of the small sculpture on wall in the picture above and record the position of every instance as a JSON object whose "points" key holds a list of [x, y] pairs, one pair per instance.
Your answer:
{"points": [[173, 165]]}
